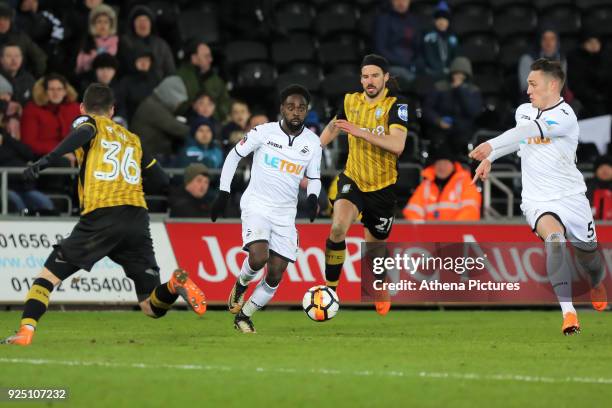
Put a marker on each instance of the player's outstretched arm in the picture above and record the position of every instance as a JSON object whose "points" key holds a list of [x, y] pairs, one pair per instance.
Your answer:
{"points": [[76, 138], [394, 142], [330, 133]]}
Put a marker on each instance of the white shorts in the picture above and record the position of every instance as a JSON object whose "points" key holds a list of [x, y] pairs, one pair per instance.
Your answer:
{"points": [[574, 213], [282, 239]]}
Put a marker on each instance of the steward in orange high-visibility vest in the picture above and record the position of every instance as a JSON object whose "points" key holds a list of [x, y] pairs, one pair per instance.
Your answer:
{"points": [[445, 194]]}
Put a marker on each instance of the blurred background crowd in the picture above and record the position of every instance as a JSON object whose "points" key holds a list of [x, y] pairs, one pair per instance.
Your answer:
{"points": [[191, 77]]}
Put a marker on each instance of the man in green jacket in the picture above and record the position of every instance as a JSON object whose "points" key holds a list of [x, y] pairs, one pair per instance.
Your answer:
{"points": [[198, 76]]}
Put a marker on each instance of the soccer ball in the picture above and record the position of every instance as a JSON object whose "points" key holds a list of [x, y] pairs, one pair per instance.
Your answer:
{"points": [[320, 303]]}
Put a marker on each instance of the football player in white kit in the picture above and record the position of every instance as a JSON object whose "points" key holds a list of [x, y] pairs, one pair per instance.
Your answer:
{"points": [[284, 153], [553, 196]]}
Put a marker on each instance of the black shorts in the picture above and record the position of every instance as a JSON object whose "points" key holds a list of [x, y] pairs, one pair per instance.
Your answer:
{"points": [[122, 233], [377, 208]]}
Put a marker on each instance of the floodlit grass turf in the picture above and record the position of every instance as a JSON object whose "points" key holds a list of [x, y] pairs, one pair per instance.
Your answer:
{"points": [[235, 370]]}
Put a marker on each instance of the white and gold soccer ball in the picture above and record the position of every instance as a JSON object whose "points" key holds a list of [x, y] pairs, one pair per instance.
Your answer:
{"points": [[320, 303]]}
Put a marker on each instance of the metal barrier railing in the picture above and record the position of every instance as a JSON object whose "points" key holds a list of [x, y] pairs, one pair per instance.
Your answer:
{"points": [[241, 172], [495, 178]]}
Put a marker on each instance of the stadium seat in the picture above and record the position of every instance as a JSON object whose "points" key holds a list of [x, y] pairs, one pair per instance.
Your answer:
{"points": [[511, 51], [335, 85], [198, 24], [239, 52], [164, 11], [541, 5], [569, 42], [365, 27], [592, 4], [514, 20], [334, 53], [586, 153], [598, 21], [367, 4], [309, 82], [423, 8], [304, 68], [489, 84], [293, 16], [501, 4], [335, 18], [565, 19], [472, 19], [423, 84], [350, 69], [456, 5], [408, 179], [480, 49], [256, 75], [285, 53]]}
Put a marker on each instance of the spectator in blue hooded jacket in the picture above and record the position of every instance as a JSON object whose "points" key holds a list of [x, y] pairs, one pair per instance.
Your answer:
{"points": [[440, 45], [201, 147], [397, 37]]}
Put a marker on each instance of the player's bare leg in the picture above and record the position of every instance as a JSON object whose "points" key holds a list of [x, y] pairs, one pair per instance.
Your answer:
{"points": [[344, 214], [36, 303], [591, 263], [558, 270], [382, 300], [252, 265]]}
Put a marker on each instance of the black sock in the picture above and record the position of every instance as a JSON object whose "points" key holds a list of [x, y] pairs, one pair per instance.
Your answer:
{"points": [[335, 253], [36, 302], [162, 299]]}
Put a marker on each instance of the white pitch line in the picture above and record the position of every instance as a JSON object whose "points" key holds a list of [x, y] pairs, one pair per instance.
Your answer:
{"points": [[325, 371]]}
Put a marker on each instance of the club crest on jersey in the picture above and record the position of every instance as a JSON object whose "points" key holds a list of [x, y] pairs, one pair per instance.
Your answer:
{"points": [[79, 120], [346, 188], [305, 150], [402, 112], [550, 123], [282, 165], [379, 113]]}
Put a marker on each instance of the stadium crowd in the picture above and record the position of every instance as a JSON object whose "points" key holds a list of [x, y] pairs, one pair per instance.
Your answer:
{"points": [[192, 77]]}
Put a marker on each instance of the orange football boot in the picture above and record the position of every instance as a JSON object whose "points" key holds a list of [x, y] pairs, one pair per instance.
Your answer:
{"points": [[382, 301], [193, 295], [23, 337], [599, 298], [570, 324]]}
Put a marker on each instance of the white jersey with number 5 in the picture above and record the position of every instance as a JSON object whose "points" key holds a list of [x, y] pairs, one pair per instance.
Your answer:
{"points": [[548, 159], [280, 162]]}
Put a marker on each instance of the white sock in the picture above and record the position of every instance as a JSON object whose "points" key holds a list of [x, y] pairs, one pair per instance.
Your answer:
{"points": [[260, 297], [246, 273], [558, 270]]}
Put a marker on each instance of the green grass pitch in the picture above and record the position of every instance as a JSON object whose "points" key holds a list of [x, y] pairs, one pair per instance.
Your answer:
{"points": [[408, 358]]}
